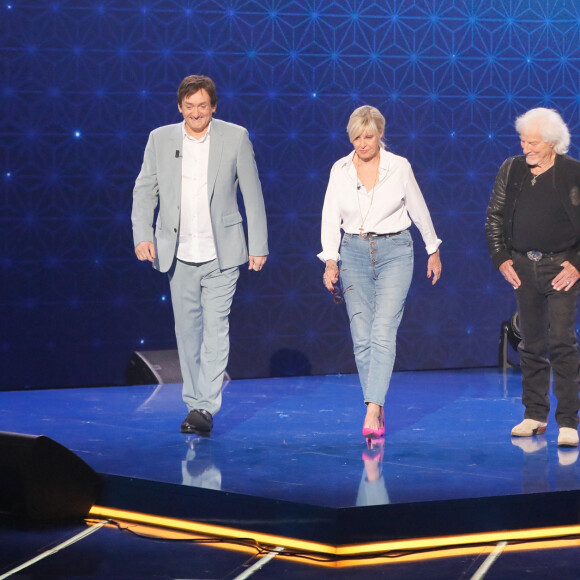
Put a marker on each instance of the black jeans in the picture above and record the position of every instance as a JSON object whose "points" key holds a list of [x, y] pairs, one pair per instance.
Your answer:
{"points": [[547, 324]]}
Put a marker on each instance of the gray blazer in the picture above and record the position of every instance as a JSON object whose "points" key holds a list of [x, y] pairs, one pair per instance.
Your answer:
{"points": [[158, 185]]}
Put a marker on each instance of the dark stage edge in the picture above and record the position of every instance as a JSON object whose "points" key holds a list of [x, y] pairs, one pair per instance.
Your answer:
{"points": [[342, 526]]}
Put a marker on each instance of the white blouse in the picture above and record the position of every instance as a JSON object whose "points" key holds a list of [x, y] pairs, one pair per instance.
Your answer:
{"points": [[397, 202]]}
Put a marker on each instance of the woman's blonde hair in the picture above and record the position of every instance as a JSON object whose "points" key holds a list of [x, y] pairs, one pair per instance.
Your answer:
{"points": [[363, 118]]}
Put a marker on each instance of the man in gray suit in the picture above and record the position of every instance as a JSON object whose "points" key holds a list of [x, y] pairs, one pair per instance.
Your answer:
{"points": [[190, 174]]}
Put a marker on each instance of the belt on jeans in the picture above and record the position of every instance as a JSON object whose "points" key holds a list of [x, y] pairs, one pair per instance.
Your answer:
{"points": [[536, 255], [375, 235]]}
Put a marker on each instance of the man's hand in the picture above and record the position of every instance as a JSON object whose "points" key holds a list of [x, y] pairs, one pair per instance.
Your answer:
{"points": [[257, 262], [566, 278], [508, 272], [145, 251]]}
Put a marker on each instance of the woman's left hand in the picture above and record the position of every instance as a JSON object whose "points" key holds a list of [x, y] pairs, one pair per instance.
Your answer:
{"points": [[434, 267], [566, 278]]}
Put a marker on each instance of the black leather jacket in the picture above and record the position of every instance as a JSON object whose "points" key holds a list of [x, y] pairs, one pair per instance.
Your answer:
{"points": [[506, 190]]}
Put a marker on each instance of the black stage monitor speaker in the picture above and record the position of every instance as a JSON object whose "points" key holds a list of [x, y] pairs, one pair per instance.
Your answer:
{"points": [[42, 480], [153, 367], [511, 335]]}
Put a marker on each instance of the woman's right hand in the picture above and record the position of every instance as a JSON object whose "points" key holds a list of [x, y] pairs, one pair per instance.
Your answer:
{"points": [[330, 276]]}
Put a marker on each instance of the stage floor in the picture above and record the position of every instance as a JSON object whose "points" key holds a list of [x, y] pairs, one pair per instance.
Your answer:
{"points": [[298, 440]]}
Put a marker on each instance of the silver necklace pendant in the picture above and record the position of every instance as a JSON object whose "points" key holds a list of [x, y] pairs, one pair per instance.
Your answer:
{"points": [[542, 171], [364, 218]]}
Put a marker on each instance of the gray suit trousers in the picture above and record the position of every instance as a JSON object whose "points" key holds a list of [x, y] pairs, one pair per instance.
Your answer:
{"points": [[202, 295]]}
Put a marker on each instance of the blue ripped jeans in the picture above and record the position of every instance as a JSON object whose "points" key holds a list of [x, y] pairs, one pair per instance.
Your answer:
{"points": [[375, 275]]}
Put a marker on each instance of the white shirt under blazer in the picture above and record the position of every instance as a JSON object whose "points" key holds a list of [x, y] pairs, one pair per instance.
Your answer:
{"points": [[397, 202], [195, 242]]}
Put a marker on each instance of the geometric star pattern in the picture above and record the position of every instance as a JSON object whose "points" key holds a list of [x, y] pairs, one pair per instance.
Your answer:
{"points": [[83, 83]]}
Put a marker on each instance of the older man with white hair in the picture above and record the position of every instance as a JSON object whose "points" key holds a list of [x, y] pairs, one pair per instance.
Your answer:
{"points": [[533, 235]]}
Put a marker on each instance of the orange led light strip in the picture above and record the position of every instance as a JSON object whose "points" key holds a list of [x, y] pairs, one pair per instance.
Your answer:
{"points": [[451, 542]]}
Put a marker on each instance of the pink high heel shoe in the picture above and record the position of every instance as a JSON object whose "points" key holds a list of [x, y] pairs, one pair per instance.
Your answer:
{"points": [[369, 433]]}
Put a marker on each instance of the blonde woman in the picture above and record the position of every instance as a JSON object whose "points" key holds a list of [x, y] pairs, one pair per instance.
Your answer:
{"points": [[371, 200]]}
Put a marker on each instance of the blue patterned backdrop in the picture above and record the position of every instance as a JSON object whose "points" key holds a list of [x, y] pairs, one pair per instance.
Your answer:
{"points": [[83, 82]]}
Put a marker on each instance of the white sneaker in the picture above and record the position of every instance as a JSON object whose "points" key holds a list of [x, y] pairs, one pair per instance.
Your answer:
{"points": [[568, 437], [529, 427]]}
